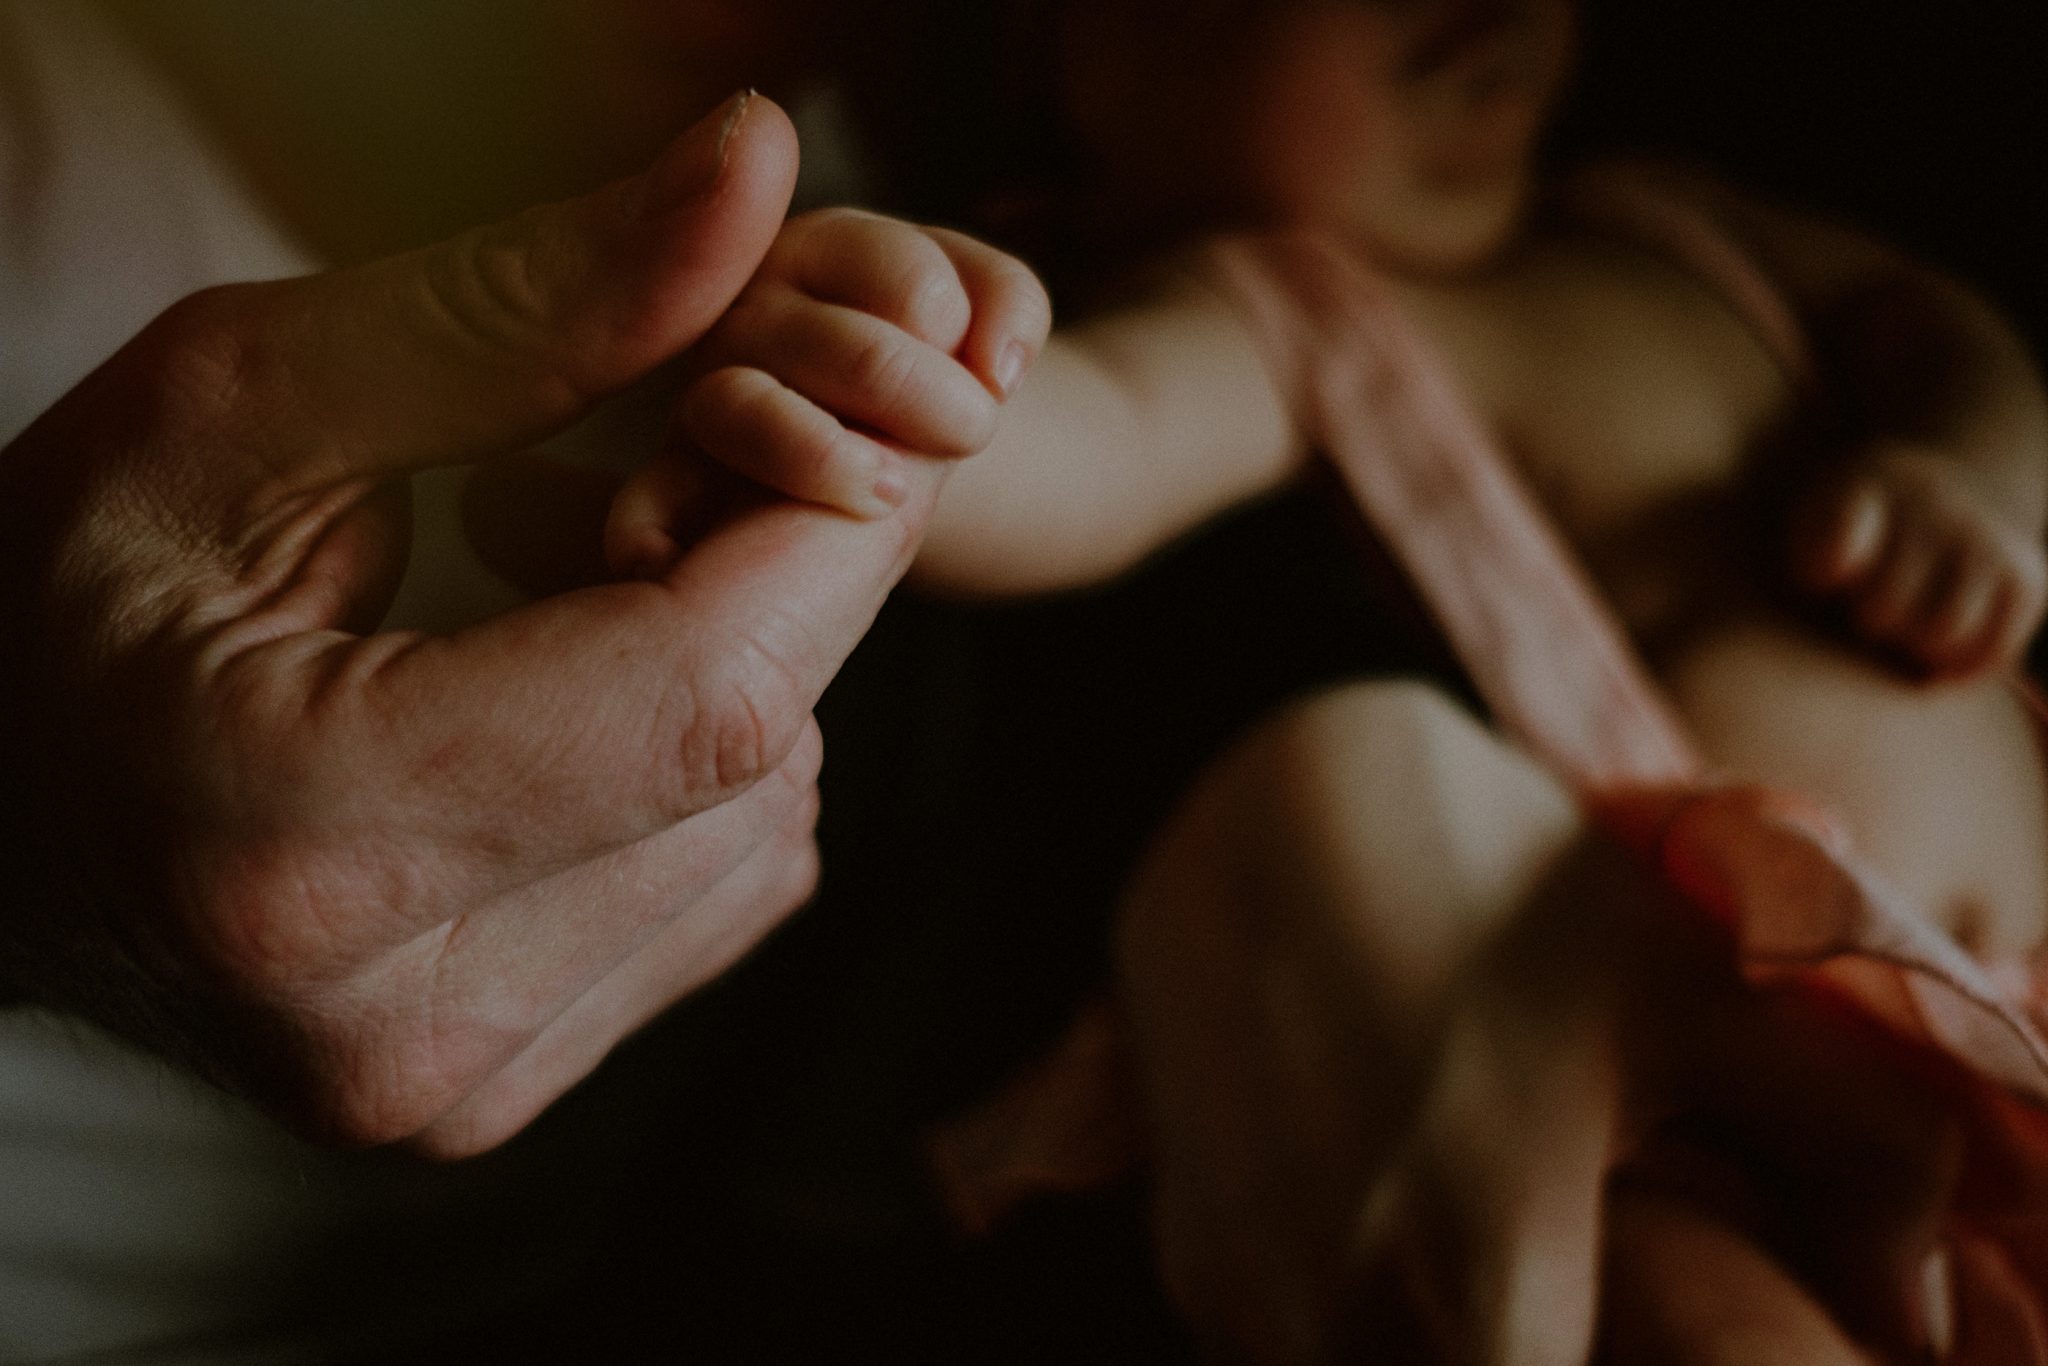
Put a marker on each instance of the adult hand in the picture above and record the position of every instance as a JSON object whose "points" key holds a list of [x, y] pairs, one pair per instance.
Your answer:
{"points": [[396, 886]]}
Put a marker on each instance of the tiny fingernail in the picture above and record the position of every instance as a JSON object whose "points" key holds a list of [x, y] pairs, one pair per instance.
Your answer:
{"points": [[697, 159], [1010, 367]]}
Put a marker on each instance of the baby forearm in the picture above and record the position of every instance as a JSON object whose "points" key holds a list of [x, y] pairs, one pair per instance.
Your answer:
{"points": [[1130, 432]]}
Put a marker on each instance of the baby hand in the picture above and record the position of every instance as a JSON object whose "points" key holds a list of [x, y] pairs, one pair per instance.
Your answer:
{"points": [[1924, 562], [863, 341]]}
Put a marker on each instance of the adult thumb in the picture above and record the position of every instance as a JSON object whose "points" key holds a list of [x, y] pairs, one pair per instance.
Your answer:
{"points": [[503, 335]]}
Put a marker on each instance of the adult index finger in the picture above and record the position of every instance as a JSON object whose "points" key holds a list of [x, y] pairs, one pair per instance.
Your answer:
{"points": [[582, 723]]}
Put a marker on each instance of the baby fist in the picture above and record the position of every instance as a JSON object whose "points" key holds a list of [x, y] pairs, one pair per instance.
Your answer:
{"points": [[861, 341], [1924, 561]]}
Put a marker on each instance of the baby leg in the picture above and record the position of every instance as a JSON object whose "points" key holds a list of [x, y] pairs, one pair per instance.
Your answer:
{"points": [[1290, 951], [1683, 1289]]}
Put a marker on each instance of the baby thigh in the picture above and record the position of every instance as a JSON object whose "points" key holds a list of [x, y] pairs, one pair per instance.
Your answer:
{"points": [[1287, 949]]}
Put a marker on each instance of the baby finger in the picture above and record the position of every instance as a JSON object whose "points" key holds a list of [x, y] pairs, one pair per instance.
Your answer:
{"points": [[892, 270], [1959, 636], [1012, 315], [755, 425], [1905, 567], [1839, 536], [871, 373], [658, 511], [2016, 620]]}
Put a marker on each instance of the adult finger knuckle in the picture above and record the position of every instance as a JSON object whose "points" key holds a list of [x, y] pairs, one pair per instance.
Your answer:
{"points": [[483, 282], [371, 1092], [489, 291], [386, 1057], [252, 930], [750, 715], [731, 750], [190, 371], [273, 913]]}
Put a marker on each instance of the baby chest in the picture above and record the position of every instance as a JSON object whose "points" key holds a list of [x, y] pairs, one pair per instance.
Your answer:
{"points": [[1621, 386]]}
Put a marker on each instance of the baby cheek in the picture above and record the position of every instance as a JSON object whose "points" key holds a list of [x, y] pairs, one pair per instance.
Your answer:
{"points": [[1317, 151]]}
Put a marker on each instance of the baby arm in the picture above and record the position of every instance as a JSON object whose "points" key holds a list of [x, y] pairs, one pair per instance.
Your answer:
{"points": [[865, 343], [1134, 428], [1929, 530]]}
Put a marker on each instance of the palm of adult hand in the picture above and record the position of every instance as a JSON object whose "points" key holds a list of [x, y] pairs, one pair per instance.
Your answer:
{"points": [[396, 885]]}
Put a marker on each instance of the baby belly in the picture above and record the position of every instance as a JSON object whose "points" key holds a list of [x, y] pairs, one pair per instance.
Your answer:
{"points": [[1941, 785]]}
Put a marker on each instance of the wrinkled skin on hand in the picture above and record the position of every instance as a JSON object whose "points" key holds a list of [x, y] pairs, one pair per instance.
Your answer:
{"points": [[395, 886]]}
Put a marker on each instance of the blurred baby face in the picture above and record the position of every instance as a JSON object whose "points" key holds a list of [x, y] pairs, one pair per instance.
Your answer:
{"points": [[1410, 122]]}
